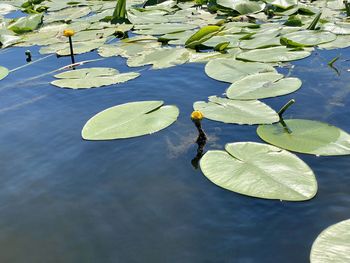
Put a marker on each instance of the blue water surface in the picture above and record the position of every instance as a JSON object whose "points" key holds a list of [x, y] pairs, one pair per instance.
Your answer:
{"points": [[66, 200]]}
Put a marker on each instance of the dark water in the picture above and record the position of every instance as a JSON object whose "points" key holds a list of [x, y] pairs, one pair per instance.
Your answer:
{"points": [[66, 200]]}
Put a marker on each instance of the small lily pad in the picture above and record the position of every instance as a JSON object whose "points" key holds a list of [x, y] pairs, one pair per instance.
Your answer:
{"points": [[236, 111], [3, 72], [231, 70], [308, 38], [26, 24], [91, 78], [262, 85], [260, 170], [130, 120], [307, 136], [332, 245]]}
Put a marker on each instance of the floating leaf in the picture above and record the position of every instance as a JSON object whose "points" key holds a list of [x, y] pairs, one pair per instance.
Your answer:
{"points": [[260, 42], [333, 244], [26, 24], [67, 14], [202, 35], [3, 72], [260, 170], [160, 58], [160, 29], [338, 28], [262, 85], [130, 120], [231, 70], [307, 136], [91, 78], [236, 111], [242, 6], [308, 38], [273, 54]]}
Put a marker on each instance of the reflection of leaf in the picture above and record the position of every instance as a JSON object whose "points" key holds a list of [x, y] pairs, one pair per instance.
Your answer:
{"points": [[332, 245], [262, 85], [312, 137], [91, 78], [236, 111], [130, 120], [250, 168]]}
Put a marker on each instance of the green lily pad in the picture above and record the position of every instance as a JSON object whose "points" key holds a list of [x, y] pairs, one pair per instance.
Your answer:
{"points": [[260, 42], [262, 85], [243, 7], [332, 245], [231, 70], [202, 35], [3, 72], [236, 111], [26, 24], [260, 170], [284, 4], [67, 14], [160, 58], [91, 78], [338, 28], [307, 136], [273, 54], [308, 38], [160, 29], [130, 120]]}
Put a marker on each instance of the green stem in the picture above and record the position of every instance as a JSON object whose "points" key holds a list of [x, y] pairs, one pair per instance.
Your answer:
{"points": [[71, 51], [285, 107]]}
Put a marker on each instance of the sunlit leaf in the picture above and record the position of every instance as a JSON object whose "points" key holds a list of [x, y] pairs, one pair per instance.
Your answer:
{"points": [[130, 120], [260, 170]]}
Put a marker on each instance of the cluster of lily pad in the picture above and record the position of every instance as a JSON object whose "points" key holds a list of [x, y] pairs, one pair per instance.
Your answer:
{"points": [[242, 42]]}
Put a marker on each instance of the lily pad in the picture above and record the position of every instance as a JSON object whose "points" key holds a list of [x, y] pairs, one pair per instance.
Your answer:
{"points": [[3, 72], [307, 136], [236, 111], [242, 6], [160, 58], [262, 85], [273, 54], [231, 70], [26, 24], [202, 35], [260, 170], [308, 38], [332, 245], [130, 120], [91, 78]]}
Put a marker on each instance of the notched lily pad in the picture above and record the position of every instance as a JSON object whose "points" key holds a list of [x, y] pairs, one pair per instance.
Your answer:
{"points": [[91, 78], [307, 136], [236, 111], [130, 120], [260, 170], [332, 245]]}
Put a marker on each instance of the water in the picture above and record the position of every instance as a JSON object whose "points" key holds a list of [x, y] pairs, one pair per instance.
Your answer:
{"points": [[63, 199]]}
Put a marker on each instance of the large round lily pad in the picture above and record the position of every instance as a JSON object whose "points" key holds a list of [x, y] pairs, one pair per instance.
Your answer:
{"points": [[3, 72], [91, 78], [130, 120], [236, 111], [263, 85], [307, 136], [231, 70], [260, 170], [332, 245]]}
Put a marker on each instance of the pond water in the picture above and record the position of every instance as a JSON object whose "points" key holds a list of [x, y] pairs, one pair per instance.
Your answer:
{"points": [[63, 199]]}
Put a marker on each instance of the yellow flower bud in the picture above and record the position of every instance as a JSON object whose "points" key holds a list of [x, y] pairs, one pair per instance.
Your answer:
{"points": [[197, 115], [68, 32]]}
